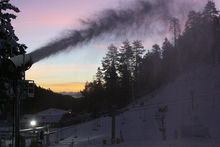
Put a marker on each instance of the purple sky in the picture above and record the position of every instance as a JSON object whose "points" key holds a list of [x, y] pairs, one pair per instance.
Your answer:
{"points": [[40, 21]]}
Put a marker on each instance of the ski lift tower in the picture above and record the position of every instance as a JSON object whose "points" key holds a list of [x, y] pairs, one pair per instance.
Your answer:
{"points": [[160, 119]]}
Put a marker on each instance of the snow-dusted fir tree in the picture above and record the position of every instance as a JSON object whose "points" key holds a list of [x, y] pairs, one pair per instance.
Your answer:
{"points": [[8, 40], [9, 47]]}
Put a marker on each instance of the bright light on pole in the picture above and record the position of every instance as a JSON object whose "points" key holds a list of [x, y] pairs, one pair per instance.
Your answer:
{"points": [[33, 123]]}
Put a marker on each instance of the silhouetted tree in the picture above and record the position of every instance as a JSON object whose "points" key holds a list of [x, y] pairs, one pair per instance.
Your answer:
{"points": [[175, 29], [109, 64], [138, 50], [211, 22], [8, 40], [9, 47], [167, 60], [126, 57], [199, 43], [125, 70]]}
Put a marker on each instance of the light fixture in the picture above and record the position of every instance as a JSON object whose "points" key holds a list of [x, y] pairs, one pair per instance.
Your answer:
{"points": [[33, 123]]}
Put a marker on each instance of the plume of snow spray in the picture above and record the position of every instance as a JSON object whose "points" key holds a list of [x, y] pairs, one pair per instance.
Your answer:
{"points": [[128, 21]]}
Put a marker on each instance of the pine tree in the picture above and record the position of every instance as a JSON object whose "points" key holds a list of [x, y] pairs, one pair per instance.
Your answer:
{"points": [[138, 50], [8, 40], [99, 76], [211, 22], [156, 58], [109, 67], [175, 29], [210, 12], [146, 73], [126, 57], [167, 62], [9, 47], [125, 70]]}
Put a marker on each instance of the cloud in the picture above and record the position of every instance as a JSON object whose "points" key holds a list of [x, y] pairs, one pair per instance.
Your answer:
{"points": [[100, 46], [137, 20]]}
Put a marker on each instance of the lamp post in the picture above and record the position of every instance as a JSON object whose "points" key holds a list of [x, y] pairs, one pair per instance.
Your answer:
{"points": [[33, 124]]}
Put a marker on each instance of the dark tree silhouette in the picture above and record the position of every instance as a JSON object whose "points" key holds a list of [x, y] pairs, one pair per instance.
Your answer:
{"points": [[175, 29], [109, 65]]}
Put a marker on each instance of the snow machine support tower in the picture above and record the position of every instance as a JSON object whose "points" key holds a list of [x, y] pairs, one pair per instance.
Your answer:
{"points": [[13, 69]]}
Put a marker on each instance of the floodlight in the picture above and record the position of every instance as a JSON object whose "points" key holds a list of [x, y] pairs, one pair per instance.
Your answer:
{"points": [[33, 123]]}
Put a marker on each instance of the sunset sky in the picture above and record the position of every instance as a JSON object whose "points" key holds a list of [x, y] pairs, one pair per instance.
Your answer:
{"points": [[40, 21]]}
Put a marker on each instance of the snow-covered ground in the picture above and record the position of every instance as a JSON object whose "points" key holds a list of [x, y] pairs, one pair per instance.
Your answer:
{"points": [[202, 83]]}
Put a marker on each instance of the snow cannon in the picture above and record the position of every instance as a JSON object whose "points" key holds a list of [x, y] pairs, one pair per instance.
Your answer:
{"points": [[15, 67]]}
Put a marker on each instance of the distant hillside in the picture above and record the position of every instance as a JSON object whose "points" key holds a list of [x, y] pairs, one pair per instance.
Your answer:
{"points": [[73, 94]]}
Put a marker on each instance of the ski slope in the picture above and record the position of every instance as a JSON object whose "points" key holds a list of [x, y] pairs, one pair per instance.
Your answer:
{"points": [[202, 83]]}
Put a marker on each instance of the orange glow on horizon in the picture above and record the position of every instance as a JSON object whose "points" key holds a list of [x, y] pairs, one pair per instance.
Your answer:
{"points": [[67, 87], [63, 77]]}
